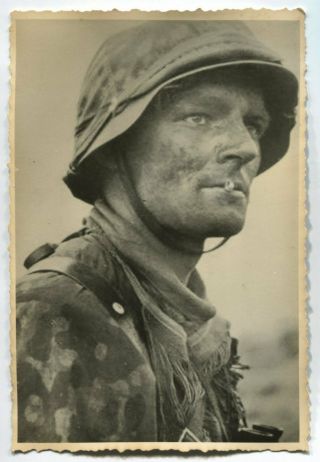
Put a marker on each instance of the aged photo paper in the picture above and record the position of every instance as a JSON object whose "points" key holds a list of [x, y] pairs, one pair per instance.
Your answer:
{"points": [[158, 297]]}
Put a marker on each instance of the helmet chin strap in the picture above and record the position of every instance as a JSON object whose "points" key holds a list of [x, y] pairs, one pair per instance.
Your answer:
{"points": [[220, 244], [167, 236]]}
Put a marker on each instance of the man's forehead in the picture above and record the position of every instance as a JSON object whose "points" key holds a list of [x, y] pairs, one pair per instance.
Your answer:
{"points": [[213, 88]]}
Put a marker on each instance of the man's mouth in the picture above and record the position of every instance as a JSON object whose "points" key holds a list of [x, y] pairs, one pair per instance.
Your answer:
{"points": [[231, 186]]}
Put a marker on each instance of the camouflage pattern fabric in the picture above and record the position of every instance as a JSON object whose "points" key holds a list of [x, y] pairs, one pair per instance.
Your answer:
{"points": [[80, 376], [84, 372]]}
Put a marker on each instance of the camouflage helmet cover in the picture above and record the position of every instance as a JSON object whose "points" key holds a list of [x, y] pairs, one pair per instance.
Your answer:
{"points": [[131, 67]]}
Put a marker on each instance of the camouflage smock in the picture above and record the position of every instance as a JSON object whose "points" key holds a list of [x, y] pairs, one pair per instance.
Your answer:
{"points": [[83, 366]]}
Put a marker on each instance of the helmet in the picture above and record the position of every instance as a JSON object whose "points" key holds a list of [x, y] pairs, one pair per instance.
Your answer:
{"points": [[132, 67]]}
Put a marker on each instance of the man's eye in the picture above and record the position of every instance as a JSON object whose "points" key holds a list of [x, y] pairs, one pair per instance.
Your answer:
{"points": [[197, 119], [256, 130]]}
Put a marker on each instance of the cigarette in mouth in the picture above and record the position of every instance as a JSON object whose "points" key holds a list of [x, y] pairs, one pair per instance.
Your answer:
{"points": [[229, 185]]}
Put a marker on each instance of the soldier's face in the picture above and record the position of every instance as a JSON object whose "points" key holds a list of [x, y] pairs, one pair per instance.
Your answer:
{"points": [[193, 160]]}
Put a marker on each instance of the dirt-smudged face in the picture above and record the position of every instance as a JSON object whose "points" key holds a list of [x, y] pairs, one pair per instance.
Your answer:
{"points": [[182, 155]]}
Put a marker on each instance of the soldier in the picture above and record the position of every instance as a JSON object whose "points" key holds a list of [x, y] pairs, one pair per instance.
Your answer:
{"points": [[116, 338]]}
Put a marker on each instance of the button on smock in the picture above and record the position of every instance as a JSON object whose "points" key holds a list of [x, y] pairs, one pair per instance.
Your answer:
{"points": [[118, 308]]}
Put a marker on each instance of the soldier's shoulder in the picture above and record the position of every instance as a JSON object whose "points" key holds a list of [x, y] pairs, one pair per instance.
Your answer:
{"points": [[52, 282], [46, 287], [79, 280]]}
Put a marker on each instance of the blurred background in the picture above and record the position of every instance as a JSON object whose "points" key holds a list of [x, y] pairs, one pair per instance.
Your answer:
{"points": [[252, 280]]}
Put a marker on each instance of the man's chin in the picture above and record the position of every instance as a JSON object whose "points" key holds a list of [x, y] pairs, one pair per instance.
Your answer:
{"points": [[218, 226], [226, 228]]}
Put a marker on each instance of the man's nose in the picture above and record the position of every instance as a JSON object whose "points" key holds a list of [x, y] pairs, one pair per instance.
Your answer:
{"points": [[241, 148]]}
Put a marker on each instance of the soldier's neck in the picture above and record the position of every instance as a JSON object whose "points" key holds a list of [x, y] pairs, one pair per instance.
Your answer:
{"points": [[182, 263]]}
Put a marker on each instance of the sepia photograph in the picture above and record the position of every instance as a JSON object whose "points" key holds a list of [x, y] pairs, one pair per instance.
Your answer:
{"points": [[157, 231]]}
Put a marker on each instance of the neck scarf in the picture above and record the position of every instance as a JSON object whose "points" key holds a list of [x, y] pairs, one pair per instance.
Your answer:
{"points": [[185, 333]]}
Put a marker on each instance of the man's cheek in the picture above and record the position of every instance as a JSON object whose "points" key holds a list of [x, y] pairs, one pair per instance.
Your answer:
{"points": [[180, 163]]}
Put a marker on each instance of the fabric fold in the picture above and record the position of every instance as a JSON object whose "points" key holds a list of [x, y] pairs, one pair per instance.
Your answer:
{"points": [[185, 334]]}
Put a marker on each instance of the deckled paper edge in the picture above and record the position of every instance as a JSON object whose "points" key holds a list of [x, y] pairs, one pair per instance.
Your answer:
{"points": [[304, 411]]}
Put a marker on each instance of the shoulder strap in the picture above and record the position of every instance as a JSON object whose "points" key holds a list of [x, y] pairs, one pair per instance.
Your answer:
{"points": [[83, 274]]}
